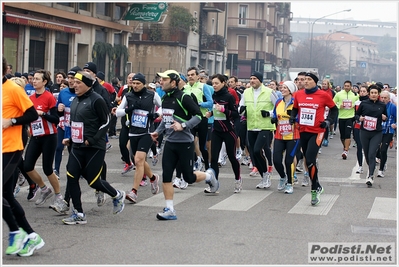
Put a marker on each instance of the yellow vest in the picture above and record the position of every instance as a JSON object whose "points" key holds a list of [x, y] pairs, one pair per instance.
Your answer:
{"points": [[255, 121]]}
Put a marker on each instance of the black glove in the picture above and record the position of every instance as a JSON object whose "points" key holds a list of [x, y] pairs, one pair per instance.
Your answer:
{"points": [[289, 112], [325, 124], [357, 118], [152, 116], [265, 113], [128, 109], [242, 109], [274, 120], [292, 120]]}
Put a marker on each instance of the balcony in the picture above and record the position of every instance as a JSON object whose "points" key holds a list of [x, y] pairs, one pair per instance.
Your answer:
{"points": [[254, 54], [235, 23], [164, 35], [212, 43], [214, 7]]}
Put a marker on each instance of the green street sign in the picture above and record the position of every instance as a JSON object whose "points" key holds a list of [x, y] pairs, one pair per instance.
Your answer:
{"points": [[327, 76], [146, 12]]}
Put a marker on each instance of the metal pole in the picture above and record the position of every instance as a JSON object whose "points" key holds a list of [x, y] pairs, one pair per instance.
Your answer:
{"points": [[311, 33], [225, 37]]}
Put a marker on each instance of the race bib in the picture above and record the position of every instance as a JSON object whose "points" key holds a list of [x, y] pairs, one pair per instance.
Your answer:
{"points": [[217, 115], [285, 127], [308, 116], [347, 103], [370, 123], [77, 132], [37, 127], [67, 116], [61, 124], [139, 118], [167, 116]]}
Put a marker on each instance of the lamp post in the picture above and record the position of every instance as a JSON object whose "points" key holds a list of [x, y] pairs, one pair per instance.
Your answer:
{"points": [[343, 30], [311, 32]]}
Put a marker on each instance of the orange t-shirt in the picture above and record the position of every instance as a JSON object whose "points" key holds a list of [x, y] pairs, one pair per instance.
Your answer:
{"points": [[15, 102]]}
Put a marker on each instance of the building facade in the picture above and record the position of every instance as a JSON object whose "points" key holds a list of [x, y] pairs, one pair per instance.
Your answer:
{"points": [[58, 36]]}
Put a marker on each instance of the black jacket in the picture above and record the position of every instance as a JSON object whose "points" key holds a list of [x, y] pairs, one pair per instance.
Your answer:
{"points": [[373, 109]]}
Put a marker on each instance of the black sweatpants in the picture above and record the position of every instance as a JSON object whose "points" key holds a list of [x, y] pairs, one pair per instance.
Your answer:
{"points": [[310, 143], [290, 148]]}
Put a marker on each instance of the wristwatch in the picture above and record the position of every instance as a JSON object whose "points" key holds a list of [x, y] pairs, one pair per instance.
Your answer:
{"points": [[13, 121], [183, 125]]}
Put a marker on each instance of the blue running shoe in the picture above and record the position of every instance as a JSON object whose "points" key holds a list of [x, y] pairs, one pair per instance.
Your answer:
{"points": [[167, 214]]}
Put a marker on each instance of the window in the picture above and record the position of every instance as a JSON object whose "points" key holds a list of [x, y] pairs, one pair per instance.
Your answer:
{"points": [[117, 39], [36, 55], [61, 58], [84, 6], [118, 12], [103, 9], [64, 4], [242, 14]]}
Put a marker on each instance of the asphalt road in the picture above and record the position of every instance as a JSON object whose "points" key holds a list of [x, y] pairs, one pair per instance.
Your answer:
{"points": [[256, 226]]}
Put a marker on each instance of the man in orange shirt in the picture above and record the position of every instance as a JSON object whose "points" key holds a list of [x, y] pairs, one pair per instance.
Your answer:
{"points": [[17, 110]]}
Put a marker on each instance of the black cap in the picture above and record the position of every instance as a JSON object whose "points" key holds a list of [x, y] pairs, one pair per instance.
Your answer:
{"points": [[91, 66], [379, 84], [17, 74], [25, 74], [101, 75], [258, 75], [139, 77], [74, 70]]}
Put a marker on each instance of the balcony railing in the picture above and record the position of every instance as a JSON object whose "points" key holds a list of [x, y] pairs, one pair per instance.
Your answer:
{"points": [[248, 23], [164, 34], [212, 42], [253, 54]]}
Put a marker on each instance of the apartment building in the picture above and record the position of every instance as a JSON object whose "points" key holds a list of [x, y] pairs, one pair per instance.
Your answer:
{"points": [[58, 36]]}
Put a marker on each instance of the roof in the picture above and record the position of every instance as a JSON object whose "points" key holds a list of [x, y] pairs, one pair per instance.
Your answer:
{"points": [[343, 37]]}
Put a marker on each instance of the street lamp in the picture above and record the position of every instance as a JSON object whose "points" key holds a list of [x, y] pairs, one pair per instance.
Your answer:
{"points": [[311, 32]]}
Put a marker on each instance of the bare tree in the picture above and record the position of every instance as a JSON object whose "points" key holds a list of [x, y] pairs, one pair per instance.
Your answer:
{"points": [[326, 57]]}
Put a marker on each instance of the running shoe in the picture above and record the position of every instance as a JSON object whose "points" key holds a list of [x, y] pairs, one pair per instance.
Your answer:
{"points": [[16, 242], [281, 184], [167, 214], [100, 198], [21, 179], [32, 192], [325, 143], [288, 189], [254, 172], [132, 197], [44, 195], [245, 161], [360, 170], [238, 186], [239, 153], [31, 245], [176, 182], [370, 180], [75, 218], [108, 147], [119, 202], [380, 174], [212, 182], [143, 181], [295, 179], [16, 190], [224, 159], [154, 160], [305, 180], [299, 166], [265, 182], [344, 154], [183, 184], [320, 150], [315, 199], [60, 206], [155, 184], [127, 168]]}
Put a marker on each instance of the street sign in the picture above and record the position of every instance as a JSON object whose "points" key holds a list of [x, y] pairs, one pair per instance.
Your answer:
{"points": [[363, 65], [327, 76], [146, 12]]}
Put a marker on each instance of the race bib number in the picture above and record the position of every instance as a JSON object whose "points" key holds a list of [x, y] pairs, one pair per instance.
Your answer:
{"points": [[285, 127], [37, 127], [77, 132], [139, 118], [167, 116], [61, 124], [217, 115], [67, 116], [347, 103], [326, 111], [370, 123], [308, 116]]}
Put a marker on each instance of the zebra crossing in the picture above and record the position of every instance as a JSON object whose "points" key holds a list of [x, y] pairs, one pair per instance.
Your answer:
{"points": [[383, 208]]}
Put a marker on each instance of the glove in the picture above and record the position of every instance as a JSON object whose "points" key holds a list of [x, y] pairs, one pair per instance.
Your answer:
{"points": [[274, 120], [325, 124], [128, 110], [265, 113], [242, 109], [292, 120], [289, 112], [152, 116]]}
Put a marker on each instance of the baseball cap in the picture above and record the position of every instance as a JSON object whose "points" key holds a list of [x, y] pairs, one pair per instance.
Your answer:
{"points": [[172, 74]]}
